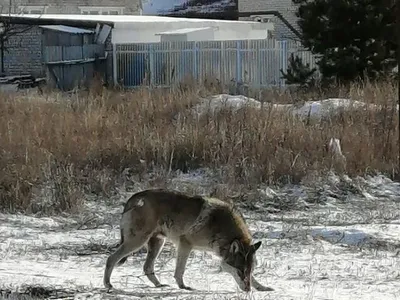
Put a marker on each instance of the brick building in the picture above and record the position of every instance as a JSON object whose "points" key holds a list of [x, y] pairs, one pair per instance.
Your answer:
{"points": [[27, 38], [23, 51], [264, 9]]}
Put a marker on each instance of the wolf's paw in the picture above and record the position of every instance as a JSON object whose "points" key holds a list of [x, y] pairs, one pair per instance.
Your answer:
{"points": [[185, 287], [162, 285], [264, 289], [108, 287]]}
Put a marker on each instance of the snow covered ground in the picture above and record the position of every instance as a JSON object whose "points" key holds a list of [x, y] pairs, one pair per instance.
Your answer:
{"points": [[339, 240]]}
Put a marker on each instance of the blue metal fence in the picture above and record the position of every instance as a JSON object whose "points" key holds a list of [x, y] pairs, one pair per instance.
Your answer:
{"points": [[253, 62]]}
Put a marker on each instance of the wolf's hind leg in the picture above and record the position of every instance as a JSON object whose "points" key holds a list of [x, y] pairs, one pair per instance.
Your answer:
{"points": [[154, 247], [132, 243]]}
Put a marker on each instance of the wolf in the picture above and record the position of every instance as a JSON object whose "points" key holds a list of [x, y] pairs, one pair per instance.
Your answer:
{"points": [[191, 223]]}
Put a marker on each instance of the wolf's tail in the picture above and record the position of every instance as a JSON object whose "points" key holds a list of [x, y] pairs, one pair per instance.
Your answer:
{"points": [[123, 260]]}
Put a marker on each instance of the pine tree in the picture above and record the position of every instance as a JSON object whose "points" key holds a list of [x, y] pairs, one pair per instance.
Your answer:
{"points": [[353, 37], [298, 72]]}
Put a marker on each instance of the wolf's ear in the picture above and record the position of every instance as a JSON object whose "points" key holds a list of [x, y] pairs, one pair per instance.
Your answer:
{"points": [[235, 247], [256, 246]]}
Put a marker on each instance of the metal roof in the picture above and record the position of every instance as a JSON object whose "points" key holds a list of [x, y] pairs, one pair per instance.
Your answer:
{"points": [[68, 29], [131, 22], [123, 18]]}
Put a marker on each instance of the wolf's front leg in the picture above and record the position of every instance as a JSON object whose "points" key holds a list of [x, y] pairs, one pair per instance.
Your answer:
{"points": [[184, 250], [258, 286]]}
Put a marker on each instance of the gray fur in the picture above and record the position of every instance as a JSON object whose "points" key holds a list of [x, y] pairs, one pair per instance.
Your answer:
{"points": [[191, 223]]}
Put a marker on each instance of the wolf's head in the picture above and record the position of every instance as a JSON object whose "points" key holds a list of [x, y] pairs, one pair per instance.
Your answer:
{"points": [[240, 261]]}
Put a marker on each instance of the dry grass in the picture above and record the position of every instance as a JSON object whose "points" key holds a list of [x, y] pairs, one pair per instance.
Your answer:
{"points": [[78, 145]]}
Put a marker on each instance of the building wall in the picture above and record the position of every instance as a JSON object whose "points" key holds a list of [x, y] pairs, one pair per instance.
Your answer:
{"points": [[131, 7], [228, 34], [149, 36], [23, 52], [285, 7], [201, 35]]}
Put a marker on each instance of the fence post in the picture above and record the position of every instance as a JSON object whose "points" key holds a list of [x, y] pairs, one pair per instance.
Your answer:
{"points": [[261, 65], [222, 73], [238, 62], [151, 61], [115, 66], [195, 62], [284, 53]]}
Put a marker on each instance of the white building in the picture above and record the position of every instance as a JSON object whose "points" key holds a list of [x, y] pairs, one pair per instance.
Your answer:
{"points": [[142, 29]]}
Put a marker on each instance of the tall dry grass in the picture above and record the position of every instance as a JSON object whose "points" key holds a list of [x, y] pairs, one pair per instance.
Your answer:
{"points": [[78, 144]]}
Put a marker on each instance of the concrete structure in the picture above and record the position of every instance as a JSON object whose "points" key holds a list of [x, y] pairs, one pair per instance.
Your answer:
{"points": [[85, 7], [258, 11]]}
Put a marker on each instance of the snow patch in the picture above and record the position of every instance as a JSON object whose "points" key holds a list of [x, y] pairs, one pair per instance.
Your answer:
{"points": [[351, 237], [325, 108], [314, 109], [218, 102]]}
